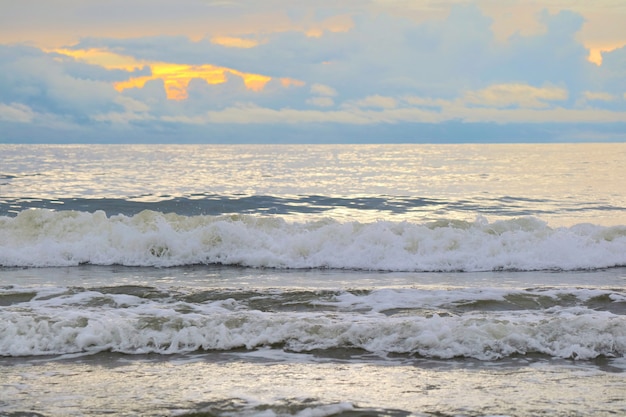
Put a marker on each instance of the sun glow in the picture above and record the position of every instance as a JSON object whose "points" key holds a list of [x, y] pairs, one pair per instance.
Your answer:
{"points": [[595, 52], [175, 77]]}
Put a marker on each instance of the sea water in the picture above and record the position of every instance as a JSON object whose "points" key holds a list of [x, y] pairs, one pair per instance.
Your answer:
{"points": [[281, 280]]}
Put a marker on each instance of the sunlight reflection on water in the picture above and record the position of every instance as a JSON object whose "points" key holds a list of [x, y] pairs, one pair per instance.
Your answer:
{"points": [[562, 183]]}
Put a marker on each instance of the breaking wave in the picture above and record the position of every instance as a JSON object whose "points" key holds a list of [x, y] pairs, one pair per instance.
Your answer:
{"points": [[42, 238]]}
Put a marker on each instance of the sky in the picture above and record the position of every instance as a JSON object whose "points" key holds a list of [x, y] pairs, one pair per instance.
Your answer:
{"points": [[292, 71]]}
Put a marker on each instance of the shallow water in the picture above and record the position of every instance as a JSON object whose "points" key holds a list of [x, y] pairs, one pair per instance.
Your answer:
{"points": [[267, 382]]}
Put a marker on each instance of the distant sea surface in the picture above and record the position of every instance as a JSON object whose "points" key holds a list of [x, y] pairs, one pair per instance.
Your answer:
{"points": [[313, 280]]}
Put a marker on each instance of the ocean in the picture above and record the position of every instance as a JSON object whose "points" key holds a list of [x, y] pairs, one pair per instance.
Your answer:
{"points": [[313, 280]]}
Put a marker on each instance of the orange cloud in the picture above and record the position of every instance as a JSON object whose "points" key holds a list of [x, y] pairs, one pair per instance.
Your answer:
{"points": [[175, 77], [288, 82], [315, 33], [254, 82], [234, 42], [595, 52]]}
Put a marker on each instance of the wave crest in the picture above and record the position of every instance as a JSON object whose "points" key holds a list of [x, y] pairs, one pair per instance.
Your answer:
{"points": [[42, 238]]}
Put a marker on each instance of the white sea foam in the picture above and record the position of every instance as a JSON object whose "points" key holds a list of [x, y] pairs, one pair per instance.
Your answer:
{"points": [[391, 299], [47, 238], [141, 327], [432, 323], [248, 406]]}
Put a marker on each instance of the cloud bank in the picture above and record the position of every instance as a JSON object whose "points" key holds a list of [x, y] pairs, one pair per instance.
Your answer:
{"points": [[359, 72]]}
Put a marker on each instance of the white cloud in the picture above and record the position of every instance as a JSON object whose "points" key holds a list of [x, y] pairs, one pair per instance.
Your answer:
{"points": [[121, 118], [134, 111], [516, 94], [393, 56], [323, 90], [16, 112], [598, 96], [374, 101], [386, 69], [321, 101], [451, 111], [132, 105], [528, 115], [252, 114], [425, 101], [50, 86]]}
